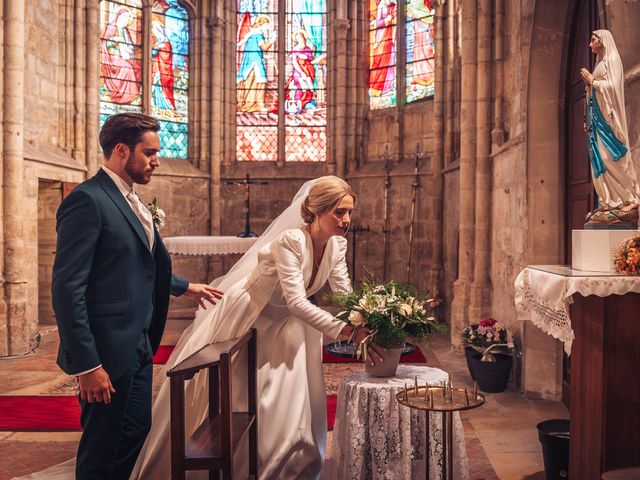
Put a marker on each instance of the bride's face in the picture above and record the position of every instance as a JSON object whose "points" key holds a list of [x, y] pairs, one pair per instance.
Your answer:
{"points": [[336, 221]]}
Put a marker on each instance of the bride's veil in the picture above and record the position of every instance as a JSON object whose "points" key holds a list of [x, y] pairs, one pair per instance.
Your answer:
{"points": [[201, 327]]}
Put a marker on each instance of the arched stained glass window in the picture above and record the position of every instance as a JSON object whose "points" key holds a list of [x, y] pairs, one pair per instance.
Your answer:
{"points": [[120, 57], [417, 33], [302, 108], [383, 16], [122, 54], [420, 50]]}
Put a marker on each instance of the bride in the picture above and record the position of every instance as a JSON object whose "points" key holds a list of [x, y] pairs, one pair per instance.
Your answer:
{"points": [[268, 289]]}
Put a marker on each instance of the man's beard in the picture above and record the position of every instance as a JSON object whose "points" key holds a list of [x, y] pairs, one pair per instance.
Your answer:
{"points": [[135, 174]]}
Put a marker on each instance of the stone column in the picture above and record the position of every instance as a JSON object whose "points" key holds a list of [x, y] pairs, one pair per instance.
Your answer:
{"points": [[437, 162], [450, 82], [79, 122], [459, 307], [14, 331], [216, 88], [341, 28], [498, 135], [481, 286], [92, 88]]}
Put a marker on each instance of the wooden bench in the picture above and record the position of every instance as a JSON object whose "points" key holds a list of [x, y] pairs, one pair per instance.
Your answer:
{"points": [[214, 443]]}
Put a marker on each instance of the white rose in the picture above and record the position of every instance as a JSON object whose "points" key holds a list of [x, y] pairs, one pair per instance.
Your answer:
{"points": [[161, 217], [356, 318], [405, 309]]}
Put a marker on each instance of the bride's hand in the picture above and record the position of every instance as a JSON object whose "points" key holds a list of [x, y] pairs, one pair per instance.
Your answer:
{"points": [[361, 334]]}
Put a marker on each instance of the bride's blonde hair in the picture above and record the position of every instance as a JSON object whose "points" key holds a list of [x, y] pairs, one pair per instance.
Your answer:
{"points": [[324, 196]]}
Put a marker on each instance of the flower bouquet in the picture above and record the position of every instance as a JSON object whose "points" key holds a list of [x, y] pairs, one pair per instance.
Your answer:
{"points": [[626, 259], [483, 334], [392, 312], [491, 371]]}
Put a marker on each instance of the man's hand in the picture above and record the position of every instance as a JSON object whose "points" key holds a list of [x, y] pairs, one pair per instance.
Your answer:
{"points": [[96, 386], [201, 292]]}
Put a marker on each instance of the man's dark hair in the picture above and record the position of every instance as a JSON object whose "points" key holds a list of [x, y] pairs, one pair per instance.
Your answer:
{"points": [[125, 128]]}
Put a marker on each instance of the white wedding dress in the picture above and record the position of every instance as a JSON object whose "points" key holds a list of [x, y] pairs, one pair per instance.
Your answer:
{"points": [[292, 418]]}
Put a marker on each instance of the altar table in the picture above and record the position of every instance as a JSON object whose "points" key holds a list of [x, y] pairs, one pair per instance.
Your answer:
{"points": [[374, 437], [208, 245], [596, 316]]}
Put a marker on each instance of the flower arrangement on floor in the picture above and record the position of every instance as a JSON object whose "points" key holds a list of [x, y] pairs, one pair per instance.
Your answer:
{"points": [[392, 311], [158, 215], [483, 334], [488, 365], [626, 259]]}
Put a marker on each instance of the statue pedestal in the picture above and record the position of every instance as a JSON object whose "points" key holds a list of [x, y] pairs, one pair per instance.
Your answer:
{"points": [[593, 250]]}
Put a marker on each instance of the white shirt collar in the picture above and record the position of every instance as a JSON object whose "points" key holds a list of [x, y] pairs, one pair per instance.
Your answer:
{"points": [[120, 183]]}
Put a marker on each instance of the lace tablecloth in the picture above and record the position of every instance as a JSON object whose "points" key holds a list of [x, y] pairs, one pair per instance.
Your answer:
{"points": [[218, 245], [374, 437], [543, 295]]}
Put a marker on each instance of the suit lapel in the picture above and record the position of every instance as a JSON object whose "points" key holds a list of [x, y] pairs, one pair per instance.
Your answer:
{"points": [[115, 195]]}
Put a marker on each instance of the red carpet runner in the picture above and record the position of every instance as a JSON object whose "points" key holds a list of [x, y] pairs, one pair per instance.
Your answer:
{"points": [[57, 413]]}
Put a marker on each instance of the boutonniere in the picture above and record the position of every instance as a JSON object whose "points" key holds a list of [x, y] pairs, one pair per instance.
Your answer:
{"points": [[157, 213]]}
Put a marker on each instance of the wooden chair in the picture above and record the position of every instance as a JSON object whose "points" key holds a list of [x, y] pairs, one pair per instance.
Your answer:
{"points": [[214, 443]]}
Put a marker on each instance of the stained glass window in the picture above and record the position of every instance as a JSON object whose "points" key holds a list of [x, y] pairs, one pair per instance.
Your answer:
{"points": [[121, 67], [417, 31], [382, 53], [120, 57], [302, 110], [305, 106], [420, 50], [257, 80], [170, 75]]}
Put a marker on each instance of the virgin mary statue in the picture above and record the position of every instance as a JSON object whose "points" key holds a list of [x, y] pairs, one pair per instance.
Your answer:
{"points": [[614, 176]]}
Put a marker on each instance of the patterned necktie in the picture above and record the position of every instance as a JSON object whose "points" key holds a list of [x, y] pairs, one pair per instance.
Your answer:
{"points": [[143, 214]]}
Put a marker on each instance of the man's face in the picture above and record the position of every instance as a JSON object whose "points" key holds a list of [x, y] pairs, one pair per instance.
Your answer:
{"points": [[143, 159]]}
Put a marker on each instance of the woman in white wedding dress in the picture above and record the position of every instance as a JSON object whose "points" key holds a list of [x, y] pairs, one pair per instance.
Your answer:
{"points": [[268, 289]]}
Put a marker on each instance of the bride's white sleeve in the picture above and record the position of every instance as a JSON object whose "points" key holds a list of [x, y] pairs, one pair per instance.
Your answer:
{"points": [[339, 277], [287, 252]]}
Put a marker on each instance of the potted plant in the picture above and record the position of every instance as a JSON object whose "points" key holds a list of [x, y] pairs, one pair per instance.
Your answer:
{"points": [[393, 312], [486, 351]]}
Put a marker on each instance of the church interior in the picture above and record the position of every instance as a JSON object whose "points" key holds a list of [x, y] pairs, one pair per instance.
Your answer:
{"points": [[459, 124]]}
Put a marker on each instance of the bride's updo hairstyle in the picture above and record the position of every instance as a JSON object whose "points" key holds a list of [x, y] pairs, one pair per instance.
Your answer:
{"points": [[324, 196]]}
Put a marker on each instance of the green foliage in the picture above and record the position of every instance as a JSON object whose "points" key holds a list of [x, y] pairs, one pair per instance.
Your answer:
{"points": [[392, 311]]}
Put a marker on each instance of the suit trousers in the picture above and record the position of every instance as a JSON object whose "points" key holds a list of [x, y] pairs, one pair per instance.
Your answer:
{"points": [[113, 434]]}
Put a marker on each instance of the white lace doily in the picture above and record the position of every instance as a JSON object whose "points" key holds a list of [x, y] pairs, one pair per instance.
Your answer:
{"points": [[208, 245], [374, 437], [543, 295]]}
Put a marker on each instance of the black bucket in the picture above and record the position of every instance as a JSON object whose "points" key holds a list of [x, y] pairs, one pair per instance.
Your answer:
{"points": [[554, 438]]}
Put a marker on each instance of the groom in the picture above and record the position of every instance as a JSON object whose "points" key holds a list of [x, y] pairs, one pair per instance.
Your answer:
{"points": [[111, 284]]}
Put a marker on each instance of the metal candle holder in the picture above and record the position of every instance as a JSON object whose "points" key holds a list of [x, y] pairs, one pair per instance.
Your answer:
{"points": [[444, 398]]}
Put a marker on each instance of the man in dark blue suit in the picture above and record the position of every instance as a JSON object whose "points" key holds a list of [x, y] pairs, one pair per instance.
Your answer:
{"points": [[111, 284]]}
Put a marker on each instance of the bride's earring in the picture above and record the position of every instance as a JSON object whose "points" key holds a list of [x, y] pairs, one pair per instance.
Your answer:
{"points": [[316, 224]]}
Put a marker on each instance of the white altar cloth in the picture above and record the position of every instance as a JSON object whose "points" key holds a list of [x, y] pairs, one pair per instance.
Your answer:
{"points": [[375, 437], [543, 295], [204, 245]]}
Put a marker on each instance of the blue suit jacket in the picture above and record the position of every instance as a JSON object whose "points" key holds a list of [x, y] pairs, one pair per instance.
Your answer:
{"points": [[107, 285]]}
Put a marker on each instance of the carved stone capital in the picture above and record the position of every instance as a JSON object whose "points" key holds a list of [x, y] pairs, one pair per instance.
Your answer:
{"points": [[341, 25], [214, 22]]}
